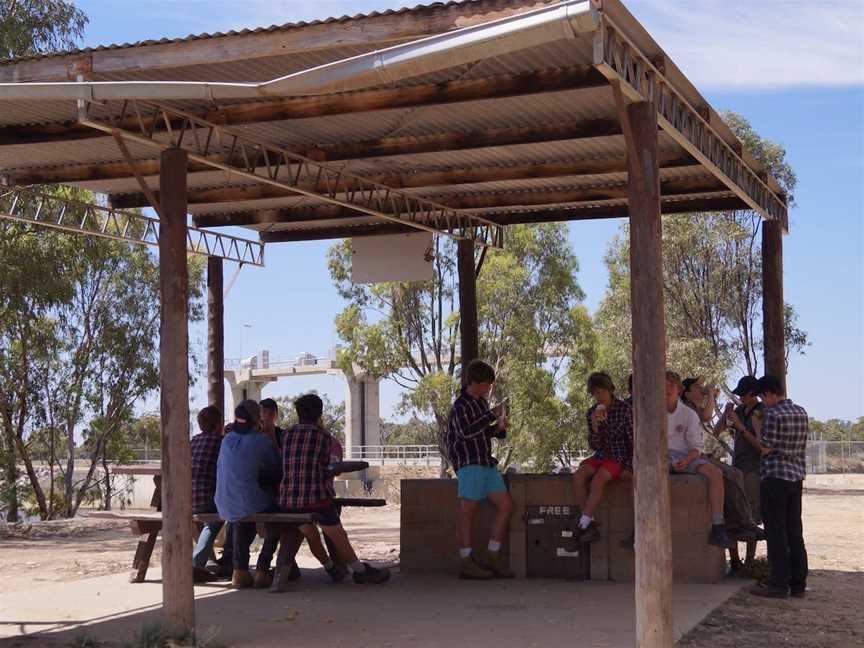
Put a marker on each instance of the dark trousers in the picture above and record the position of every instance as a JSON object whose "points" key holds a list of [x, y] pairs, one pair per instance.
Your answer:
{"points": [[781, 513], [244, 536]]}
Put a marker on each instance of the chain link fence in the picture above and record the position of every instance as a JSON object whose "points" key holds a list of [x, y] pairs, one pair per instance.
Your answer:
{"points": [[827, 457]]}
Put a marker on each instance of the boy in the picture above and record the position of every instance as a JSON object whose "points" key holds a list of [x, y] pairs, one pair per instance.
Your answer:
{"points": [[684, 438], [205, 453], [470, 428], [783, 441], [306, 488], [245, 456], [610, 435]]}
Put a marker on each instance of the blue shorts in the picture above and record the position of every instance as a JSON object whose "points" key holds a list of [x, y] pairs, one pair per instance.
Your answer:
{"points": [[476, 482]]}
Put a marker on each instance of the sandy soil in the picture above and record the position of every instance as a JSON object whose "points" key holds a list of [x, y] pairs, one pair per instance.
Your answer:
{"points": [[70, 550]]}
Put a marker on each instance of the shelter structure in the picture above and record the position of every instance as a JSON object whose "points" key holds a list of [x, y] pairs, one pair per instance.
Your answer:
{"points": [[458, 118]]}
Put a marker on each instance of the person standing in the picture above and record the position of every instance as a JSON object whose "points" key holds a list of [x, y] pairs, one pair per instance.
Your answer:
{"points": [[783, 441]]}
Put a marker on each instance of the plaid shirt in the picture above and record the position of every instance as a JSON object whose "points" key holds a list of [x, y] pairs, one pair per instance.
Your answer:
{"points": [[470, 428], [785, 428], [306, 453], [614, 436], [205, 453]]}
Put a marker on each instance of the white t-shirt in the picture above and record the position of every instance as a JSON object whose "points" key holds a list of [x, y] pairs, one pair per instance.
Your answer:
{"points": [[684, 429]]}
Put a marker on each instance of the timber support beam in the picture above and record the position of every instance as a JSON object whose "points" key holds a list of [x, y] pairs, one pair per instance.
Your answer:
{"points": [[773, 306]]}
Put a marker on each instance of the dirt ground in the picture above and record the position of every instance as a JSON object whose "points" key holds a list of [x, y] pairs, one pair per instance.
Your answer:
{"points": [[829, 617]]}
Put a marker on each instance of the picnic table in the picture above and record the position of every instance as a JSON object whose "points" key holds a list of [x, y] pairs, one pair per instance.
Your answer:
{"points": [[284, 525]]}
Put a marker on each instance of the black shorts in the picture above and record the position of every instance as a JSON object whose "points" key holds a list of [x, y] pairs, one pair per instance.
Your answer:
{"points": [[328, 515]]}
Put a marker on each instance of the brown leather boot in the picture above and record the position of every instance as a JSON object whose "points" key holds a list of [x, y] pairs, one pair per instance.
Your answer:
{"points": [[470, 570], [263, 579], [242, 579], [495, 564]]}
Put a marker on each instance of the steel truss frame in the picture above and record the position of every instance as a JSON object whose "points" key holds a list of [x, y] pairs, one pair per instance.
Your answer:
{"points": [[228, 150], [620, 61], [36, 208]]}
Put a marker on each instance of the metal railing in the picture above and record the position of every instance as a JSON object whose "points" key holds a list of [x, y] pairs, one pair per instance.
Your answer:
{"points": [[413, 455], [824, 457]]}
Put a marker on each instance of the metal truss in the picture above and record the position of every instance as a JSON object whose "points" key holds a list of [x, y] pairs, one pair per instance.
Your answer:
{"points": [[228, 150], [35, 208], [621, 61]]}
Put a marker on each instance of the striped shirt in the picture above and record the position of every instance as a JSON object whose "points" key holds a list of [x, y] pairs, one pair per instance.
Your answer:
{"points": [[306, 453], [470, 428], [785, 428]]}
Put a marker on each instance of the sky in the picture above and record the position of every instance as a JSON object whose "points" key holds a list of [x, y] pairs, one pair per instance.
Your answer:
{"points": [[794, 68]]}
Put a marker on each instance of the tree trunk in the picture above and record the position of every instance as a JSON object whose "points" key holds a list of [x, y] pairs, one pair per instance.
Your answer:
{"points": [[70, 471], [38, 491], [107, 505], [10, 469]]}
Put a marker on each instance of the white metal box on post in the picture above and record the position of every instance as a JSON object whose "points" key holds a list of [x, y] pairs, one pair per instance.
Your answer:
{"points": [[400, 257]]}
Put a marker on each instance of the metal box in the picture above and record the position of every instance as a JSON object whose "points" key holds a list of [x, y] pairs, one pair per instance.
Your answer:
{"points": [[547, 534]]}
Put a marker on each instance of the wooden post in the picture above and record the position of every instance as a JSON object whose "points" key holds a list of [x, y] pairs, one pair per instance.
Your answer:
{"points": [[467, 303], [215, 335], [651, 500], [773, 329], [178, 600]]}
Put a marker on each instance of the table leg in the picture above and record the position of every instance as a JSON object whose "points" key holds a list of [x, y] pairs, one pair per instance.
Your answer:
{"points": [[141, 562]]}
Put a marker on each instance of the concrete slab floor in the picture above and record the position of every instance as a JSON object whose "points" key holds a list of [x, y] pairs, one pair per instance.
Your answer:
{"points": [[412, 610]]}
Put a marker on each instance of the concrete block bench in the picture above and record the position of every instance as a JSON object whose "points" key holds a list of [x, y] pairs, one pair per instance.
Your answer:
{"points": [[544, 512]]}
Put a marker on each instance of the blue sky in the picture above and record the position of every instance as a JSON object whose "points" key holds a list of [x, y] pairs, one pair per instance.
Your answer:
{"points": [[795, 69]]}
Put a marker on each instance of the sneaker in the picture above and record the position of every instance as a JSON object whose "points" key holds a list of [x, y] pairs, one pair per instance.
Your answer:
{"points": [[337, 573], [223, 570], [495, 564], [242, 579], [770, 591], [263, 579], [372, 575], [470, 570], [201, 575], [589, 534], [717, 536]]}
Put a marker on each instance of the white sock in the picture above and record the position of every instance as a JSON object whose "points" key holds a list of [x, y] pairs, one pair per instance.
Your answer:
{"points": [[464, 552], [358, 567], [494, 546], [584, 521]]}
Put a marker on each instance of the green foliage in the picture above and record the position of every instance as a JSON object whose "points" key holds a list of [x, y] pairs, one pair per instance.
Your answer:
{"points": [[712, 279], [30, 27], [333, 417], [837, 430], [528, 309], [415, 431]]}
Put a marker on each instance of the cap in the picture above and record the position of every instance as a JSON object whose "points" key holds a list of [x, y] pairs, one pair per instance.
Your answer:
{"points": [[747, 385], [248, 410]]}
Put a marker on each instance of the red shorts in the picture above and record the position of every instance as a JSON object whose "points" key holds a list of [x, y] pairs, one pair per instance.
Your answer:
{"points": [[611, 466]]}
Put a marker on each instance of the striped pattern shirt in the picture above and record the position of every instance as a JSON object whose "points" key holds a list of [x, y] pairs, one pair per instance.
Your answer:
{"points": [[470, 428], [785, 428], [306, 453]]}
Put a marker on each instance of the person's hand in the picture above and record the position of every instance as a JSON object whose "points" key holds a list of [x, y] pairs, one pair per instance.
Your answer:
{"points": [[498, 411], [503, 423], [681, 464], [598, 416], [766, 450], [734, 420], [730, 407]]}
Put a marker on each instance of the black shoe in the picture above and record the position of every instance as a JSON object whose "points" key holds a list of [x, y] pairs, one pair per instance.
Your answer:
{"points": [[201, 575], [337, 573], [372, 575], [770, 591], [758, 533], [798, 592], [736, 567], [717, 537], [589, 534]]}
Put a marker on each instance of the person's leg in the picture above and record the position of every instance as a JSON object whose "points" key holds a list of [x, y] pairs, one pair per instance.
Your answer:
{"points": [[598, 484], [581, 478], [715, 490], [467, 509], [265, 557], [362, 572], [504, 508], [205, 543], [774, 514], [244, 534], [313, 538], [795, 535], [751, 553]]}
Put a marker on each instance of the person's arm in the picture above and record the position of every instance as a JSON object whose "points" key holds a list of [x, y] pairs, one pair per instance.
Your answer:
{"points": [[468, 425], [767, 433], [707, 412], [595, 437], [695, 436]]}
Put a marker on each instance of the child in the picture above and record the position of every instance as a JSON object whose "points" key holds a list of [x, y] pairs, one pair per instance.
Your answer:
{"points": [[205, 453], [246, 454], [610, 435], [684, 439], [470, 429], [306, 488]]}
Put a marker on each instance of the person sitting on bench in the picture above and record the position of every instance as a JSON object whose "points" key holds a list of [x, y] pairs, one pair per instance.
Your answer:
{"points": [[245, 456], [305, 487], [610, 435], [205, 453]]}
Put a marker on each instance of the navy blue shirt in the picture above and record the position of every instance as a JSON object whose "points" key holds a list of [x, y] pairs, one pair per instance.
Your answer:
{"points": [[244, 455]]}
